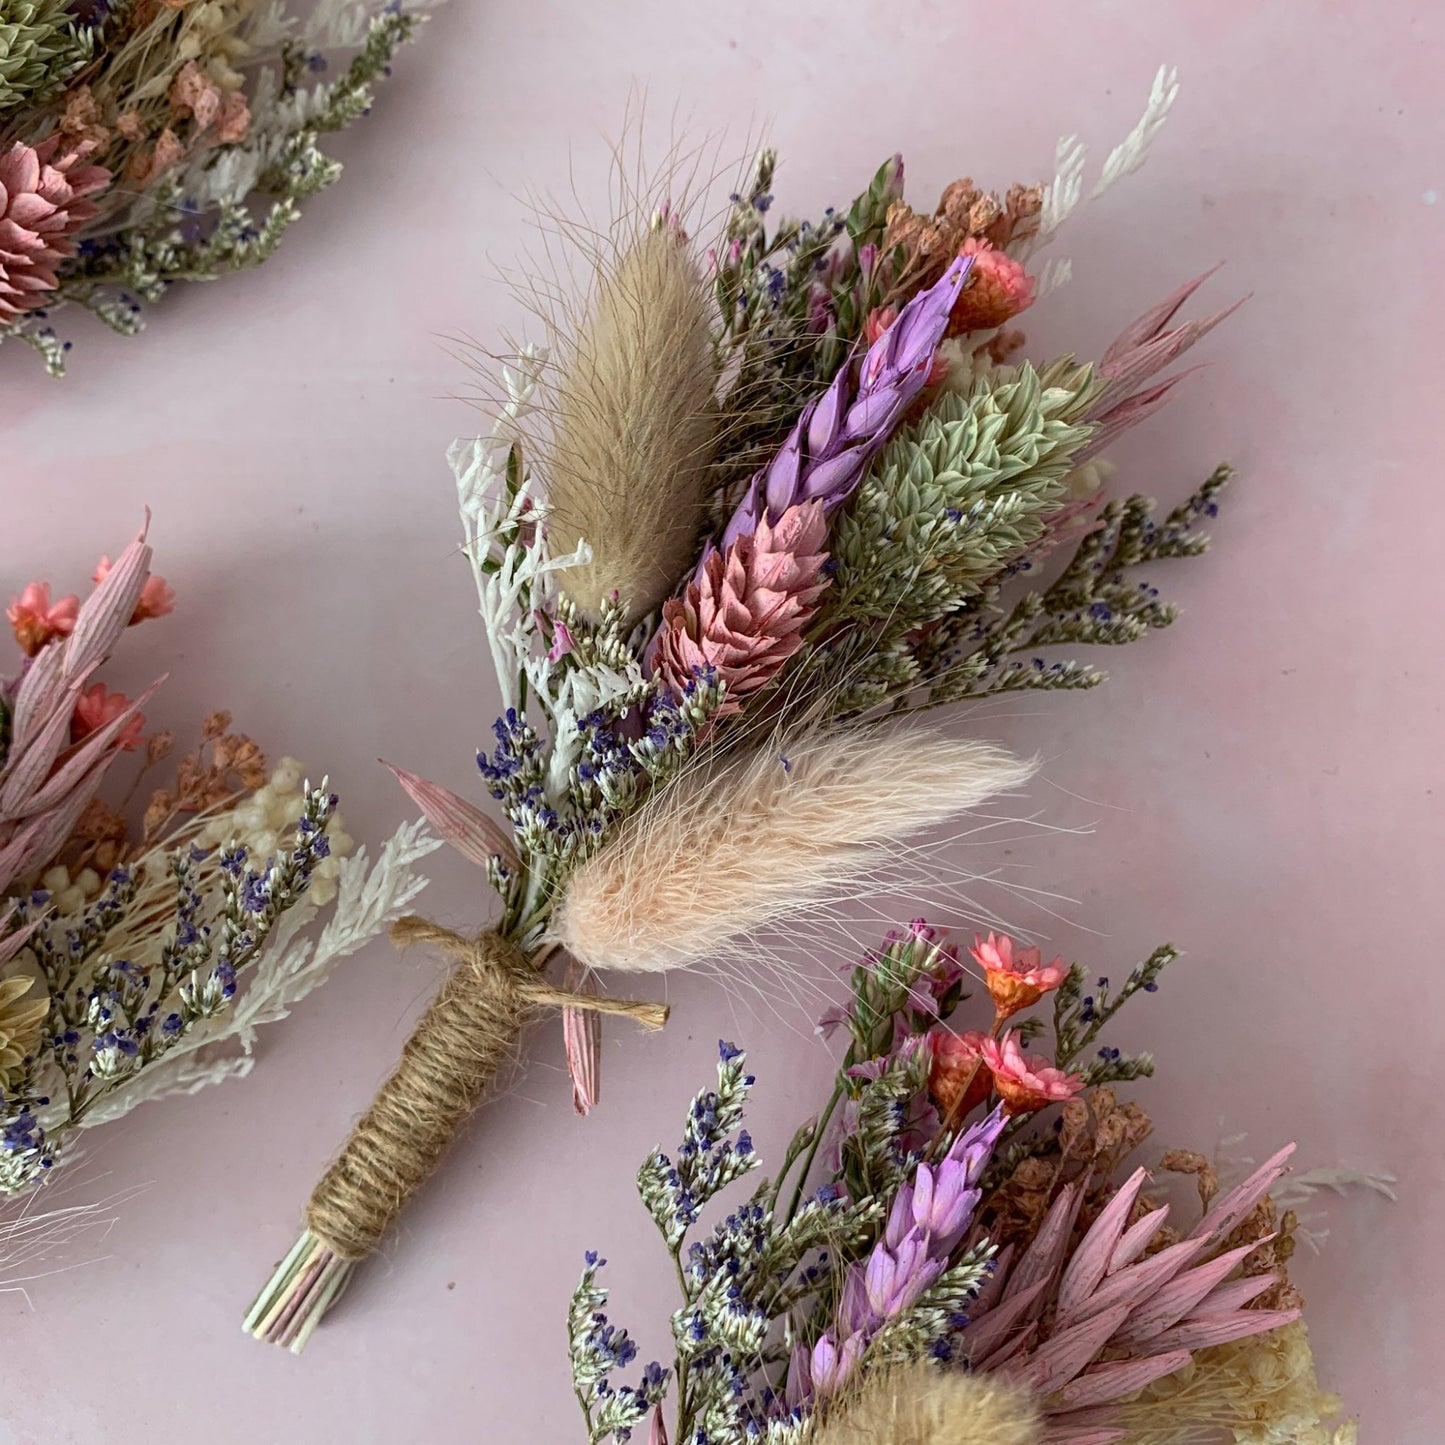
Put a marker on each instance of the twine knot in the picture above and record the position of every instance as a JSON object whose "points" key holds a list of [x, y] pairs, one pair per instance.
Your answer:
{"points": [[446, 1066]]}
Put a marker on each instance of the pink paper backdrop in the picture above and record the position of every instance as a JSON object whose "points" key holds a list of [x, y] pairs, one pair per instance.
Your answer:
{"points": [[1261, 784]]}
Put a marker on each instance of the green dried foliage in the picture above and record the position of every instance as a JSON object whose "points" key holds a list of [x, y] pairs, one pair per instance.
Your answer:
{"points": [[958, 495], [167, 242], [1095, 602], [41, 47], [791, 305]]}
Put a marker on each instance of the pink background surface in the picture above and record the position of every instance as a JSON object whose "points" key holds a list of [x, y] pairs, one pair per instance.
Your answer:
{"points": [[1262, 783]]}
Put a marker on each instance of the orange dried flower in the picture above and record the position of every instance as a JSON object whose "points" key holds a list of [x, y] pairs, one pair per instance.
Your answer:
{"points": [[1016, 978], [957, 1079]]}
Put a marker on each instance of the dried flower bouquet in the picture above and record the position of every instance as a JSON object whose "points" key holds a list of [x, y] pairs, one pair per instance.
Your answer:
{"points": [[757, 505], [138, 956], [952, 1251], [145, 142]]}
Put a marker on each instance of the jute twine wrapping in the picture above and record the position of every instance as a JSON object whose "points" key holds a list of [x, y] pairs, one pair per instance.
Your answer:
{"points": [[446, 1066]]}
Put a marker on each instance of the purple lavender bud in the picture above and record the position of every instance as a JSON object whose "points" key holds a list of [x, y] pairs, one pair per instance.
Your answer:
{"points": [[853, 1309], [830, 1367], [948, 1212], [840, 432], [901, 1216], [974, 1147]]}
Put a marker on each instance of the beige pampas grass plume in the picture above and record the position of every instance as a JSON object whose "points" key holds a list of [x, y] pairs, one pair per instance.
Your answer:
{"points": [[749, 839], [923, 1405], [635, 424]]}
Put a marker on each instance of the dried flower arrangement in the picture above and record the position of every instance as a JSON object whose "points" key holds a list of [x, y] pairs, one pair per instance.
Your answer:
{"points": [[940, 1260], [754, 506], [151, 141], [138, 958]]}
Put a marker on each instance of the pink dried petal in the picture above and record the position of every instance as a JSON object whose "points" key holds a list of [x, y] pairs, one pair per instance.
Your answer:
{"points": [[1138, 1237], [1134, 1285], [1067, 1352], [1111, 1382], [1229, 1212], [88, 753], [474, 835], [1202, 1334], [1092, 1259], [1180, 1296], [1043, 1257], [985, 1332], [33, 757]]}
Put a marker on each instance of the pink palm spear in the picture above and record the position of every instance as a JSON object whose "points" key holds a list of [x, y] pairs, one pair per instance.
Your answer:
{"points": [[1087, 1326]]}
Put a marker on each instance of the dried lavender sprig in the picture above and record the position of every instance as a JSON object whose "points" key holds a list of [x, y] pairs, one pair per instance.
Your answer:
{"points": [[839, 433]]}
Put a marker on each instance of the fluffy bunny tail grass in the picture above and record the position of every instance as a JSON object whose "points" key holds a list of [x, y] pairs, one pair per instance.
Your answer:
{"points": [[635, 426], [923, 1405], [746, 841]]}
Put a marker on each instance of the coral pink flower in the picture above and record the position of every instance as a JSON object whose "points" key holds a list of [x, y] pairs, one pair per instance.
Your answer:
{"points": [[42, 206], [957, 1078], [1025, 1082], [1017, 978], [37, 620], [96, 707], [157, 597], [998, 289]]}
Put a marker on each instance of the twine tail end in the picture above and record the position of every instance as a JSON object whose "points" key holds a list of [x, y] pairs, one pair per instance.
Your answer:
{"points": [[296, 1298]]}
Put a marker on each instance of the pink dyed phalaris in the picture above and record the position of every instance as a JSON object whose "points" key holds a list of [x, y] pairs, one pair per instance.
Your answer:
{"points": [[1086, 1321], [998, 289], [36, 620], [1025, 1082], [1016, 978]]}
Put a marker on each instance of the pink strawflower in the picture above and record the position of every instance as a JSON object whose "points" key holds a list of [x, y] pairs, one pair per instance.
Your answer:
{"points": [[36, 620], [1025, 1082], [998, 289], [743, 616], [157, 597], [96, 707], [42, 206], [958, 1079], [1017, 978]]}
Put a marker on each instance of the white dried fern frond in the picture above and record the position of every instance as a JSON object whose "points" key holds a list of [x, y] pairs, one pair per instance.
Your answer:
{"points": [[369, 899], [495, 515]]}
